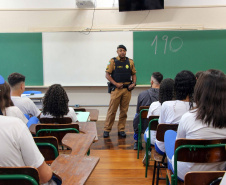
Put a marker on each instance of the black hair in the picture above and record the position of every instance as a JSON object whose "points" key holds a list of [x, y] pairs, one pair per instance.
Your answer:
{"points": [[15, 78], [184, 86], [158, 76], [166, 90], [55, 101]]}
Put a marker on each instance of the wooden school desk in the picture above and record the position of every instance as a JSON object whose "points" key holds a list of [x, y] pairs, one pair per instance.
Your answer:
{"points": [[78, 143], [94, 113], [84, 127], [74, 169]]}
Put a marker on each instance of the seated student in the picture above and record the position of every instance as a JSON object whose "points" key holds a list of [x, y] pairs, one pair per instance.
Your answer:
{"points": [[206, 121], [172, 111], [145, 98], [6, 105], [166, 93], [55, 104], [25, 104], [19, 148]]}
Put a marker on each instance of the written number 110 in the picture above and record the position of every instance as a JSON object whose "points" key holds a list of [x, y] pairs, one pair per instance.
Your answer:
{"points": [[165, 37]]}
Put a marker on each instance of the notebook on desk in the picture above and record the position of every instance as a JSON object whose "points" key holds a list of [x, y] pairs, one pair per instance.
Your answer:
{"points": [[82, 116]]}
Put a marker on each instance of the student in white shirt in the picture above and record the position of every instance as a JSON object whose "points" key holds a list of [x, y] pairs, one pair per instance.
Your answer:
{"points": [[166, 93], [172, 111], [25, 104], [207, 121], [6, 105], [55, 104], [19, 149]]}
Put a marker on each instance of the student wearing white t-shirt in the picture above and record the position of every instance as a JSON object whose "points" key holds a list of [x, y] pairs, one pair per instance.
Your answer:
{"points": [[207, 121], [55, 104], [6, 105], [19, 148], [26, 105], [166, 93], [172, 111]]}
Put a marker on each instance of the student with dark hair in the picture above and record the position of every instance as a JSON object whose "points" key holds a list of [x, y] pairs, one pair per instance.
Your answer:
{"points": [[172, 111], [166, 93], [7, 107], [206, 121], [145, 98], [55, 104], [25, 104]]}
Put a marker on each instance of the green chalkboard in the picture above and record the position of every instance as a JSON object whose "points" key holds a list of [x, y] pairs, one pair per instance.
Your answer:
{"points": [[170, 52], [22, 53]]}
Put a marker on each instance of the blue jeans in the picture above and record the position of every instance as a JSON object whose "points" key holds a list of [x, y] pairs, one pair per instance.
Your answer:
{"points": [[169, 140], [158, 150]]}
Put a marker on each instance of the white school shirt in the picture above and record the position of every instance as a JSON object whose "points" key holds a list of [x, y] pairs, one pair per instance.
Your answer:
{"points": [[71, 114], [19, 148], [190, 128], [154, 110], [17, 143], [26, 105], [16, 112], [171, 113]]}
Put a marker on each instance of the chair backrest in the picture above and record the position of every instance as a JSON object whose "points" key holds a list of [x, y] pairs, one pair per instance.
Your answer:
{"points": [[64, 120], [56, 130], [48, 146], [154, 123], [162, 128], [198, 151], [203, 177], [203, 153], [19, 176], [143, 111]]}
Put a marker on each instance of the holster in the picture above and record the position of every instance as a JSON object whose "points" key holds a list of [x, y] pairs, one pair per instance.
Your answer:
{"points": [[111, 87]]}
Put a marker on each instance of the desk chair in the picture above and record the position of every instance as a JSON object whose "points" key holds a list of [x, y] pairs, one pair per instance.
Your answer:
{"points": [[159, 159], [19, 176], [56, 130], [48, 146], [203, 177], [64, 120], [142, 116], [196, 151], [153, 124]]}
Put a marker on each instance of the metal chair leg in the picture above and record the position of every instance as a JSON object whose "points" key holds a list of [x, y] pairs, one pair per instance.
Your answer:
{"points": [[153, 178]]}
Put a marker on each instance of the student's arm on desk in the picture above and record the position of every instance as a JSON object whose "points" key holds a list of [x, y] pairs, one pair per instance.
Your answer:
{"points": [[45, 173]]}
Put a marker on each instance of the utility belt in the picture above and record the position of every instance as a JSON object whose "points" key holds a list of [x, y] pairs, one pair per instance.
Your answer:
{"points": [[112, 87]]}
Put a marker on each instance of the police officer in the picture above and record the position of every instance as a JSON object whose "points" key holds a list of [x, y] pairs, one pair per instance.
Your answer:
{"points": [[121, 74]]}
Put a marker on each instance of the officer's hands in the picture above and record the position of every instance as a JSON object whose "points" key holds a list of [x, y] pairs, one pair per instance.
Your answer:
{"points": [[119, 85], [131, 87]]}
